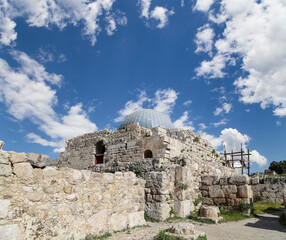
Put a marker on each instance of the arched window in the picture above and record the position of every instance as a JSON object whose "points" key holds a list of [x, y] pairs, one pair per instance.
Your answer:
{"points": [[148, 154], [100, 149]]}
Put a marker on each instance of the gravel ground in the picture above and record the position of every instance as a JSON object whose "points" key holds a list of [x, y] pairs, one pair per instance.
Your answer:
{"points": [[264, 227]]}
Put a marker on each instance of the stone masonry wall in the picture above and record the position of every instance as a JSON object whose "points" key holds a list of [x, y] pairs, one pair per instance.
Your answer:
{"points": [[226, 191], [65, 203], [268, 189], [128, 145]]}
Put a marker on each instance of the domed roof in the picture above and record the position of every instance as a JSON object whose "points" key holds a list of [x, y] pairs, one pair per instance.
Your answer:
{"points": [[148, 118]]}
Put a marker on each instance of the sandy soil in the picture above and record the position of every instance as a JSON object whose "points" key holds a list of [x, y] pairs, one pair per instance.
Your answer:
{"points": [[264, 227]]}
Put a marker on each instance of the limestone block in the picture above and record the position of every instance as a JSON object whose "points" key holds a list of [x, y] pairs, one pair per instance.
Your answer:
{"points": [[108, 177], [117, 222], [22, 170], [207, 180], [76, 176], [4, 157], [17, 157], [211, 212], [136, 219], [35, 196], [4, 205], [254, 180], [239, 180], [183, 229], [10, 232], [71, 197], [244, 191], [38, 160], [159, 211], [5, 170], [37, 174], [223, 181], [50, 172], [229, 189], [98, 221], [215, 191], [182, 208]]}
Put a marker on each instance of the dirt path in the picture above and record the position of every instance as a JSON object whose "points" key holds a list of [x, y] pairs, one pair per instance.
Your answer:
{"points": [[264, 227]]}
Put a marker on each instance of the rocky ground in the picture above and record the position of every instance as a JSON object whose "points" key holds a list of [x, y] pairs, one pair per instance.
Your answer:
{"points": [[263, 227]]}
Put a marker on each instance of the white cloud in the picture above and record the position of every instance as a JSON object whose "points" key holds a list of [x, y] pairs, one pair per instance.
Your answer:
{"points": [[259, 159], [187, 103], [232, 139], [226, 107], [278, 123], [165, 100], [46, 13], [159, 13], [184, 122], [204, 39], [27, 93], [132, 106], [202, 126], [254, 33], [203, 5], [220, 123]]}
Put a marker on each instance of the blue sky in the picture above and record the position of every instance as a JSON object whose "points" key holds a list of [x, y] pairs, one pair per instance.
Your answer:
{"points": [[68, 67]]}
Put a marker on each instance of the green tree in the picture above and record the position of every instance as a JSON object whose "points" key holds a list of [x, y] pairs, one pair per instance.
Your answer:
{"points": [[278, 167]]}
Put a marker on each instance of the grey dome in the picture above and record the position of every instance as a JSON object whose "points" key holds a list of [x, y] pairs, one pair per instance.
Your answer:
{"points": [[148, 118]]}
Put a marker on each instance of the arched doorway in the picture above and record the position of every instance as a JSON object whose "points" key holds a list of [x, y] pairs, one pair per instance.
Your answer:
{"points": [[100, 149], [148, 154]]}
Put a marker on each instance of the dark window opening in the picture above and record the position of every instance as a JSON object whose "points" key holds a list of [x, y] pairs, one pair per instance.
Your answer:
{"points": [[100, 149], [148, 154]]}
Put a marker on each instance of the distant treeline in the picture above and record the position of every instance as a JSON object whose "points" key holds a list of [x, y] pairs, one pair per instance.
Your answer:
{"points": [[278, 167]]}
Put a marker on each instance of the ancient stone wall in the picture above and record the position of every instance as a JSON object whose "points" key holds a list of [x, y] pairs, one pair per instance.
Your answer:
{"points": [[268, 189], [65, 203], [128, 145], [226, 191]]}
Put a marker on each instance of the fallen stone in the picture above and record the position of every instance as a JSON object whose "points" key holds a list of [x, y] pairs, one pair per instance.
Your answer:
{"points": [[10, 232], [17, 157], [183, 229], [35, 196], [22, 170], [4, 205], [38, 160], [210, 212]]}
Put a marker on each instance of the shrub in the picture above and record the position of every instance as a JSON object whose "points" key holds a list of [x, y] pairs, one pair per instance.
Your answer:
{"points": [[164, 236], [149, 219], [258, 198], [138, 170], [183, 186], [198, 200], [244, 206], [196, 140]]}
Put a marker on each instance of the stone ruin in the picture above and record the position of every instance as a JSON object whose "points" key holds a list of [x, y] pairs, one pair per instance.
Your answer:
{"points": [[114, 177]]}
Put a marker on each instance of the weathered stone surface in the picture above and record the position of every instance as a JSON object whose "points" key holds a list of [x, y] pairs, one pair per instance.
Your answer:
{"points": [[10, 232], [254, 180], [182, 208], [68, 189], [4, 157], [215, 191], [136, 219], [4, 205], [1, 145], [239, 180], [98, 221], [77, 176], [208, 180], [17, 157], [244, 191], [50, 172], [35, 196], [229, 189], [210, 212], [37, 174], [118, 222], [38, 160], [22, 170], [71, 197], [5, 170], [183, 229]]}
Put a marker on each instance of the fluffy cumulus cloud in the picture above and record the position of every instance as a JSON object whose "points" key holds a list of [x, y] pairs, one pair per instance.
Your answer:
{"points": [[203, 5], [28, 94], [254, 32], [232, 139], [204, 39], [159, 13], [60, 13], [163, 101], [184, 122]]}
